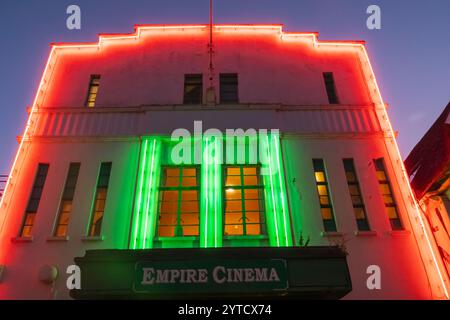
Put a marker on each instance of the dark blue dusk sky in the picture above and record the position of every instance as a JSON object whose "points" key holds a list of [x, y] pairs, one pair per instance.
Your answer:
{"points": [[410, 54]]}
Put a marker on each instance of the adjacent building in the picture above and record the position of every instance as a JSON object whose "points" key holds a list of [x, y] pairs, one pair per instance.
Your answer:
{"points": [[322, 209], [429, 167]]}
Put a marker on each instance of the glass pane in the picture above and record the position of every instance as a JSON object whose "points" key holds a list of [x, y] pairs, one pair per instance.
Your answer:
{"points": [[168, 219], [189, 219], [189, 206], [101, 193], [327, 214], [249, 171], [350, 176], [233, 218], [98, 216], [234, 230], [251, 205], [167, 207], [357, 200], [189, 182], [359, 213], [354, 190], [190, 231], [251, 194], [64, 218], [170, 196], [320, 176], [172, 172], [172, 182], [166, 231], [253, 229], [381, 176], [29, 220], [392, 212], [252, 217], [233, 171], [189, 172], [388, 199], [233, 181], [385, 189], [250, 180], [233, 206], [324, 200], [61, 231], [322, 190], [99, 205], [26, 231], [189, 195], [233, 194]]}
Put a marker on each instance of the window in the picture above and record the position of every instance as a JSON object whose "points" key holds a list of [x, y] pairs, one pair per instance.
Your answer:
{"points": [[93, 91], [179, 202], [193, 89], [326, 208], [355, 193], [331, 87], [244, 201], [65, 208], [33, 202], [100, 200], [229, 88], [386, 192]]}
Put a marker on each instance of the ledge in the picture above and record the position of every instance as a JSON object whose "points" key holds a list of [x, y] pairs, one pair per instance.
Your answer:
{"points": [[190, 238], [331, 234], [89, 238], [255, 237], [399, 233], [57, 239], [21, 239], [366, 233]]}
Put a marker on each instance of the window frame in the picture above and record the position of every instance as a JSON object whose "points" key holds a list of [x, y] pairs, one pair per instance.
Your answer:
{"points": [[242, 188], [94, 77], [397, 223], [362, 224], [325, 183], [228, 76], [91, 226], [178, 227], [192, 76], [330, 87], [62, 200], [29, 212]]}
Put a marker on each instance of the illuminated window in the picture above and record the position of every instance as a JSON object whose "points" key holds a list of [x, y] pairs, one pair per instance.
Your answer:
{"points": [[244, 201], [331, 88], [100, 200], [93, 91], [355, 193], [193, 89], [65, 208], [229, 88], [33, 202], [388, 197], [326, 207], [179, 202]]}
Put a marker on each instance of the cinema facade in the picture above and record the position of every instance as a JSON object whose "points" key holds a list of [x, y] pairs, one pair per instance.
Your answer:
{"points": [[320, 208]]}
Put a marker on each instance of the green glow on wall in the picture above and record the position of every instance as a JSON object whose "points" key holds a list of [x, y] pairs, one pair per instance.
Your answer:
{"points": [[152, 158], [277, 215], [211, 193], [144, 218]]}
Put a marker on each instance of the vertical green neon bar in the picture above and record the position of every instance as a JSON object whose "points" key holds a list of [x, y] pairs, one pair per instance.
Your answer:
{"points": [[277, 215], [144, 218], [211, 197]]}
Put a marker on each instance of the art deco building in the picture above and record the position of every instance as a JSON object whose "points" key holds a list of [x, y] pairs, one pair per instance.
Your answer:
{"points": [[323, 208]]}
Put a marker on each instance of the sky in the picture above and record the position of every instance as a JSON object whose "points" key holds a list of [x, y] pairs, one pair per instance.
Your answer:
{"points": [[410, 53]]}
